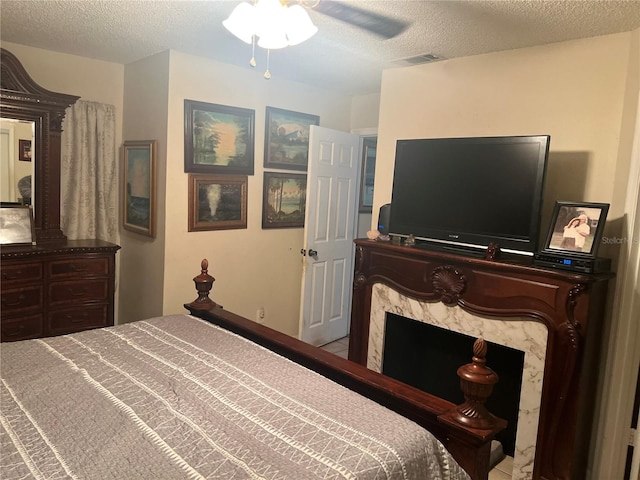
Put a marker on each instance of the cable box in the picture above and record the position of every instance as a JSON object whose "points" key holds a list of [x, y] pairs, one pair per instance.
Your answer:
{"points": [[573, 263]]}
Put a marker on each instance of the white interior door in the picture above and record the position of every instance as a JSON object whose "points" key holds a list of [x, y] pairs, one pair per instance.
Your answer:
{"points": [[330, 220]]}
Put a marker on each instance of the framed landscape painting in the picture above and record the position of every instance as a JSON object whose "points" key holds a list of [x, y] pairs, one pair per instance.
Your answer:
{"points": [[287, 139], [284, 200], [218, 138], [139, 191], [217, 202]]}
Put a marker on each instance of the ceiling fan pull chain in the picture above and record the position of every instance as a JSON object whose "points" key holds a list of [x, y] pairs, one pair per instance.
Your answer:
{"points": [[252, 62], [267, 73]]}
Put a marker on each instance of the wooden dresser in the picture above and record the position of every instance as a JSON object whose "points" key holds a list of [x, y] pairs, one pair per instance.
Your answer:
{"points": [[56, 289]]}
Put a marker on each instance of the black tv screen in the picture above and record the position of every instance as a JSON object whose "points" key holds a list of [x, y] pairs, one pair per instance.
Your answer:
{"points": [[470, 192]]}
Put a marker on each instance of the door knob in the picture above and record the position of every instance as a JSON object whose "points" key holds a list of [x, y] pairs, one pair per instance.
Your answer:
{"points": [[313, 253]]}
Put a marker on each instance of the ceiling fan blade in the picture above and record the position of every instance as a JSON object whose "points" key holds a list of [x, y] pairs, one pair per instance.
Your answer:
{"points": [[380, 25]]}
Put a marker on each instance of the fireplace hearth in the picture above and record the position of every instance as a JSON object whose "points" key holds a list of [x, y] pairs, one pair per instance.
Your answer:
{"points": [[417, 353], [522, 334]]}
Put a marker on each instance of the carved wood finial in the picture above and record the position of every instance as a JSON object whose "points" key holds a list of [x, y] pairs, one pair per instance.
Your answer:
{"points": [[476, 382], [204, 283]]}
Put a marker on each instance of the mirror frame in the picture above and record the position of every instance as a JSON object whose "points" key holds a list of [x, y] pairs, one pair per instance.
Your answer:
{"points": [[21, 98]]}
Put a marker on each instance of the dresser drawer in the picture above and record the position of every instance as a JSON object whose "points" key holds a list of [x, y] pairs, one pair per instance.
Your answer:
{"points": [[17, 273], [77, 319], [78, 291], [13, 300], [22, 328], [78, 267]]}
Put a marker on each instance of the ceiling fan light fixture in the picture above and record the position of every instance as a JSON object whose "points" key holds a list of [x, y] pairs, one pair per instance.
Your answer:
{"points": [[242, 22], [273, 40], [299, 26], [271, 24]]}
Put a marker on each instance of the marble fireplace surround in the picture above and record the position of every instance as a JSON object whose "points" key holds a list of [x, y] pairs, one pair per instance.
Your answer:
{"points": [[570, 305], [520, 333]]}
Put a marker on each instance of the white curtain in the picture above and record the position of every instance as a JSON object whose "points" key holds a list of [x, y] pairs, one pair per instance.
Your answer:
{"points": [[89, 174]]}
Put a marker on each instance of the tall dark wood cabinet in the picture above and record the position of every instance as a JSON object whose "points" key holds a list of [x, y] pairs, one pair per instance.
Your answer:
{"points": [[55, 290]]}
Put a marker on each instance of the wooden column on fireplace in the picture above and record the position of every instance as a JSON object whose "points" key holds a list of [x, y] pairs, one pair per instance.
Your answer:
{"points": [[570, 304]]}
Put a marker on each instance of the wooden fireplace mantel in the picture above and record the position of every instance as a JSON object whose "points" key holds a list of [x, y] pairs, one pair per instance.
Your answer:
{"points": [[570, 304]]}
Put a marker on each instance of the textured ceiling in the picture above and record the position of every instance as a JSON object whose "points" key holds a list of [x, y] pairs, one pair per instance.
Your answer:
{"points": [[339, 56]]}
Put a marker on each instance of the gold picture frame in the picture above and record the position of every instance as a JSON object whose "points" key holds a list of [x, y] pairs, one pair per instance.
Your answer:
{"points": [[217, 202]]}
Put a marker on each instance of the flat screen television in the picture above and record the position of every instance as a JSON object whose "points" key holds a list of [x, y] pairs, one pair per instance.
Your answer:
{"points": [[466, 193]]}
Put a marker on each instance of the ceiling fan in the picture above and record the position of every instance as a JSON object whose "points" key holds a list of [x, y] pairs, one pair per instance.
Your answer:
{"points": [[275, 24], [381, 25]]}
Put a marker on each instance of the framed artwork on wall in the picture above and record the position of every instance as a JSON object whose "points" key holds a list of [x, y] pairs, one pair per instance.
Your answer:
{"points": [[218, 139], [367, 174], [139, 187], [286, 144], [24, 150], [217, 202], [284, 200], [576, 228]]}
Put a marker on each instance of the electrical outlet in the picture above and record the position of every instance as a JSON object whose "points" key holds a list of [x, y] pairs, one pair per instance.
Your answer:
{"points": [[260, 315]]}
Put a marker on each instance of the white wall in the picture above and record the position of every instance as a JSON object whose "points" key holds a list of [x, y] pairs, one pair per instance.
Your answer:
{"points": [[92, 80], [142, 257], [583, 93], [254, 267], [365, 112], [556, 89]]}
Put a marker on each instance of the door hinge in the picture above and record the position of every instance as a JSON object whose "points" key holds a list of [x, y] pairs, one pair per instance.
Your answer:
{"points": [[632, 437]]}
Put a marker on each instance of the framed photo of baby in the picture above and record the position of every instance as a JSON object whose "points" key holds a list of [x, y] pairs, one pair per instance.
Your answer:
{"points": [[576, 228]]}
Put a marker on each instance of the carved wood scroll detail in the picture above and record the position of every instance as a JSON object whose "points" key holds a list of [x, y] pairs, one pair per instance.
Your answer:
{"points": [[572, 300], [448, 283]]}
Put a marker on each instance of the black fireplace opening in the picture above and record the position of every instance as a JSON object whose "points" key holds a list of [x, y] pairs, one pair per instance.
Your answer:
{"points": [[427, 357]]}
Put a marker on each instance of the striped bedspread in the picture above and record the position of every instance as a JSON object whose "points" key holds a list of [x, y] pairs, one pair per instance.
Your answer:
{"points": [[175, 397]]}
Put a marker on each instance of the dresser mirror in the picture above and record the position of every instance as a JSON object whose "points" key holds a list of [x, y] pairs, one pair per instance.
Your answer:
{"points": [[16, 163], [23, 101]]}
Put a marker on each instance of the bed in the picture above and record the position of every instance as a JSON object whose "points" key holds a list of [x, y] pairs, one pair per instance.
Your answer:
{"points": [[213, 395]]}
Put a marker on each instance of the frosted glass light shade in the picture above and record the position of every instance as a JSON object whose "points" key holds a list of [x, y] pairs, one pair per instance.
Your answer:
{"points": [[274, 24], [242, 22], [270, 27], [273, 40], [299, 26]]}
